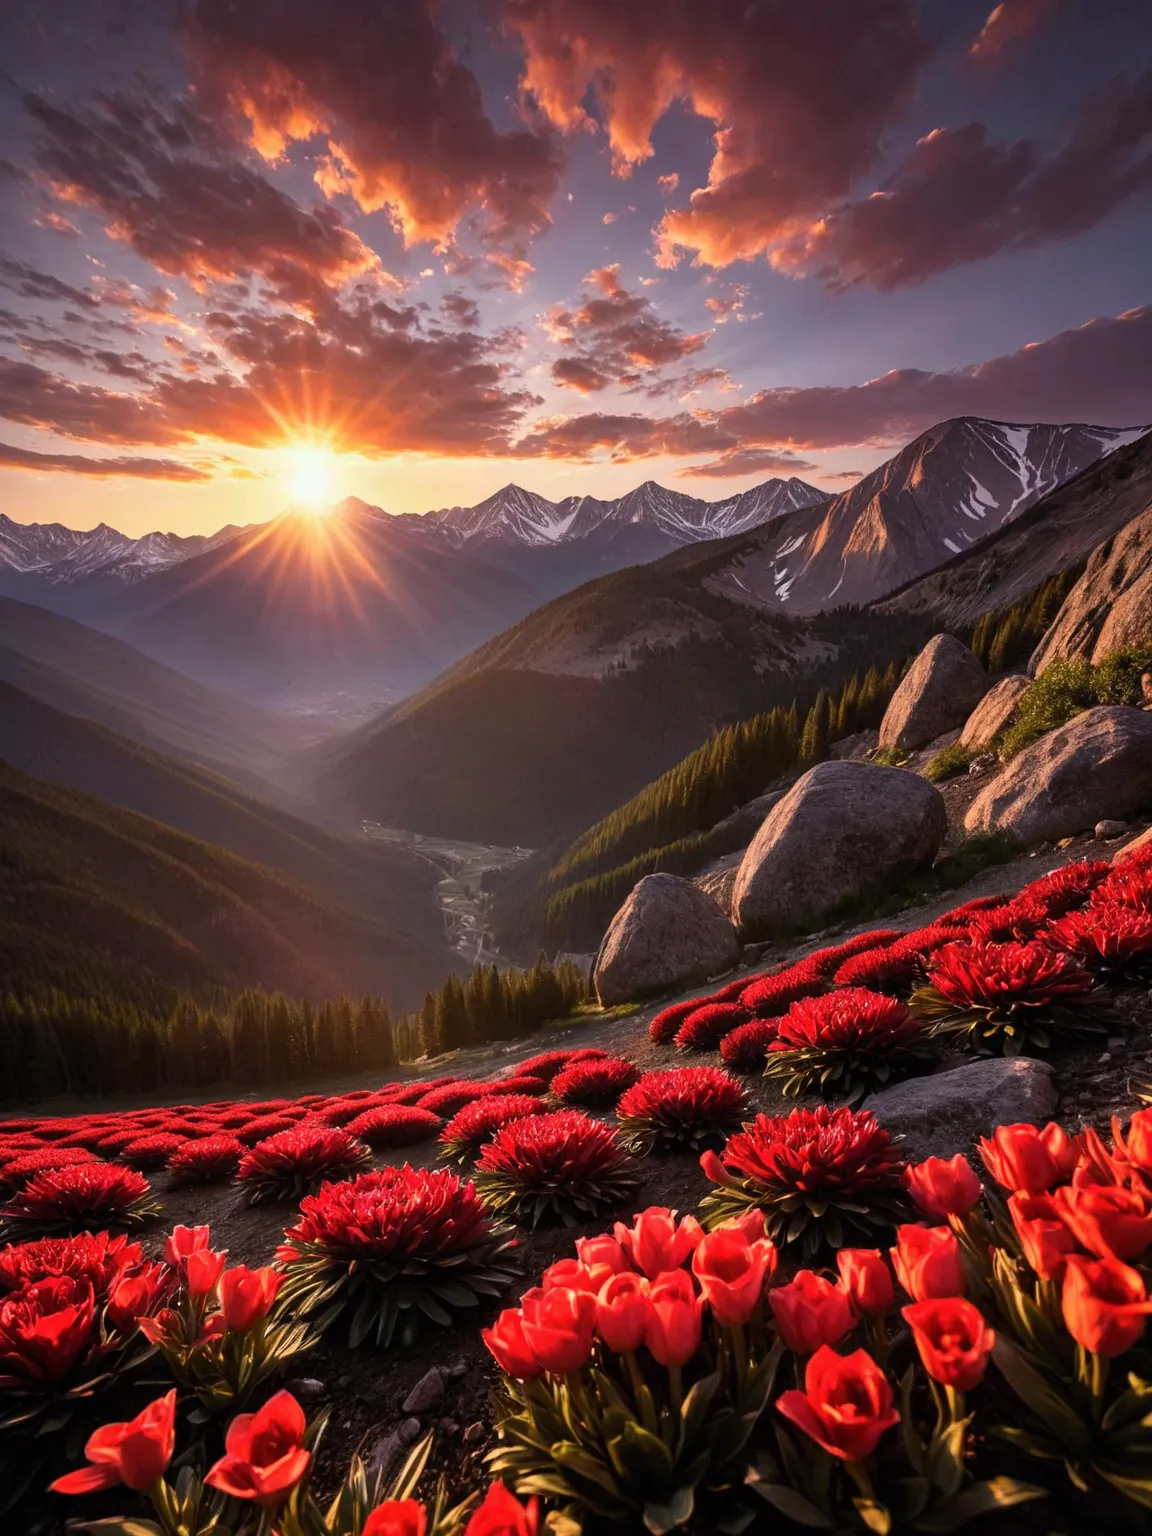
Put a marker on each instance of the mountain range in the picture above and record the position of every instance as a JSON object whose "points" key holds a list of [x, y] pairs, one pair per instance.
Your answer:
{"points": [[47, 556]]}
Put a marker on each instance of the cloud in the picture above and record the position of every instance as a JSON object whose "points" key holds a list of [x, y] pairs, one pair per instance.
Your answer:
{"points": [[461, 310], [402, 117], [799, 96], [668, 183], [1009, 23], [170, 187], [80, 464], [728, 304], [959, 198], [845, 474], [616, 337], [750, 461], [621, 437], [22, 278]]}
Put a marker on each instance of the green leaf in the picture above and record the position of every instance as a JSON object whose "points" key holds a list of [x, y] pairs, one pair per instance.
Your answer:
{"points": [[980, 1499], [661, 1518], [794, 1505], [1043, 1399], [874, 1515]]}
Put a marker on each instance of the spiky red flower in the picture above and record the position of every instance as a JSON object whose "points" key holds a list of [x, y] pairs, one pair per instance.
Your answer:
{"points": [[150, 1152], [394, 1125], [820, 1176], [99, 1258], [45, 1330], [685, 1108], [826, 962], [83, 1198], [1129, 884], [563, 1165], [770, 996], [341, 1112], [1114, 942], [523, 1083], [666, 1024], [297, 1161], [207, 1161], [1007, 997], [16, 1173], [844, 1044], [596, 1082], [894, 969], [453, 1096], [396, 1249], [746, 1046], [961, 916], [1016, 921], [1063, 889], [264, 1126], [463, 1136], [706, 1026], [547, 1064]]}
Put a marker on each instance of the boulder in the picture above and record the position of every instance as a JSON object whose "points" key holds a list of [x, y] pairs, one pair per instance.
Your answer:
{"points": [[719, 882], [1104, 830], [1141, 844], [994, 713], [940, 690], [1110, 607], [1098, 767], [667, 934], [946, 1113], [841, 830]]}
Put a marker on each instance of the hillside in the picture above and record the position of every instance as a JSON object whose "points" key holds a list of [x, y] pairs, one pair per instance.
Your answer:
{"points": [[101, 901], [83, 671]]}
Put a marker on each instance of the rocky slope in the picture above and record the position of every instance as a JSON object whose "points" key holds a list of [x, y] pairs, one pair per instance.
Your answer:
{"points": [[1110, 607]]}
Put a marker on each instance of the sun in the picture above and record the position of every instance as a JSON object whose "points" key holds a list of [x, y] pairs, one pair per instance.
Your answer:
{"points": [[311, 478]]}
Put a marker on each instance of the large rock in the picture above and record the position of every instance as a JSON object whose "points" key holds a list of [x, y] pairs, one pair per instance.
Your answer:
{"points": [[842, 829], [994, 713], [1097, 767], [667, 934], [1110, 607], [1140, 844], [944, 1114], [941, 688]]}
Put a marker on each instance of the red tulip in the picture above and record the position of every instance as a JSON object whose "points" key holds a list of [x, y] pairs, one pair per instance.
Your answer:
{"points": [[927, 1262], [1045, 1239], [1104, 1304], [569, 1275], [136, 1453], [264, 1458], [810, 1312], [202, 1269], [182, 1241], [397, 1517], [602, 1254], [511, 1350], [846, 1404], [623, 1311], [953, 1340], [1019, 1159], [732, 1273], [247, 1295], [867, 1279], [45, 1328], [137, 1295], [1111, 1222], [943, 1187], [675, 1320], [655, 1244], [502, 1514], [1135, 1144], [558, 1327]]}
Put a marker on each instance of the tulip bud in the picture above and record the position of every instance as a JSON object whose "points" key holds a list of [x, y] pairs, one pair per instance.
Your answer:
{"points": [[810, 1311], [867, 1279], [927, 1262], [943, 1187], [675, 1320], [623, 1311]]}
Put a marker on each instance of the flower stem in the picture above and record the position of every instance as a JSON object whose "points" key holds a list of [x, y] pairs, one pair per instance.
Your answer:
{"points": [[676, 1386]]}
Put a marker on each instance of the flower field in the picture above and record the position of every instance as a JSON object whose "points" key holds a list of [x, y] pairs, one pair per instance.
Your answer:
{"points": [[666, 1311]]}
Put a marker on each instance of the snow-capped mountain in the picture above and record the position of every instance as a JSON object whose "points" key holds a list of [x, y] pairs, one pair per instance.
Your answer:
{"points": [[514, 517], [56, 556], [948, 489]]}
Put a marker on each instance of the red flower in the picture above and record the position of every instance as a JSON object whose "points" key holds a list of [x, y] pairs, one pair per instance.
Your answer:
{"points": [[264, 1458], [98, 1257], [1111, 1222], [602, 1255], [682, 1107], [770, 996], [1016, 975], [296, 1160], [707, 1025], [44, 1330], [548, 1063], [623, 1311], [248, 1295], [396, 1517], [183, 1241], [1067, 887], [207, 1160], [1044, 1238], [562, 1164], [867, 1280], [137, 1295], [149, 1152], [664, 1027], [451, 1097], [1130, 885], [135, 1453], [816, 1151], [811, 1311], [1133, 1146], [746, 1046], [943, 1187], [732, 1273], [952, 1338], [1112, 940], [19, 1170], [927, 1262], [850, 1017], [655, 1243], [1021, 1157], [558, 1327], [594, 1082], [463, 1136], [1104, 1304], [827, 962], [675, 1319], [202, 1270], [570, 1275], [846, 1404], [393, 1125], [502, 1514], [389, 1215], [509, 1347], [83, 1196]]}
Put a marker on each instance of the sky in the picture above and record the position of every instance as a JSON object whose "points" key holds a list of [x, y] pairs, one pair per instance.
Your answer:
{"points": [[258, 252]]}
